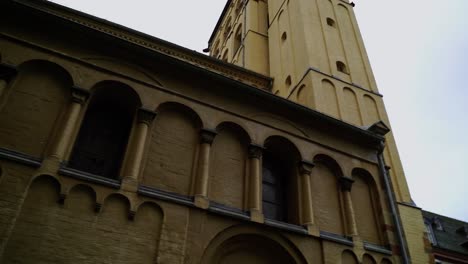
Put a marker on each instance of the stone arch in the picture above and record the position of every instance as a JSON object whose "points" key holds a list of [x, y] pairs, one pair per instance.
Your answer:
{"points": [[368, 259], [327, 101], [228, 166], [366, 205], [327, 201], [34, 228], [372, 112], [246, 245], [302, 93], [105, 130], [148, 224], [385, 261], [280, 179], [351, 111], [172, 149], [348, 257], [33, 105], [81, 199], [237, 39]]}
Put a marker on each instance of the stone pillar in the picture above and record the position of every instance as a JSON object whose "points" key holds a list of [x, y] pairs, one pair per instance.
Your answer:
{"points": [[7, 73], [201, 187], [79, 97], [346, 184], [308, 220], [3, 85], [136, 148], [255, 183]]}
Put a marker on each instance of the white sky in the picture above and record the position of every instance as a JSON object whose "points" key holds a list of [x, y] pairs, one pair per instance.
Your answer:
{"points": [[418, 50]]}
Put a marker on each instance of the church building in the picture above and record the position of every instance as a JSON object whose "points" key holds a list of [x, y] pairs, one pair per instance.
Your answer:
{"points": [[119, 147]]}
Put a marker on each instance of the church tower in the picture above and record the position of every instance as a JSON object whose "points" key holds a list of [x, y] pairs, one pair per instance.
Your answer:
{"points": [[314, 52]]}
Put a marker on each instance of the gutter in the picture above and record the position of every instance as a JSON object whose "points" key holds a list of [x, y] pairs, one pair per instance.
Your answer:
{"points": [[393, 206]]}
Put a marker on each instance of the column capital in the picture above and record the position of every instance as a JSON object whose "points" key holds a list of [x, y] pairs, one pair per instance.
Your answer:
{"points": [[346, 183], [255, 151], [7, 71], [145, 116], [207, 135], [79, 95], [305, 167]]}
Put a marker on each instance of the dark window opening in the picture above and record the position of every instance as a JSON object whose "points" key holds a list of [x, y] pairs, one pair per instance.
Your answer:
{"points": [[274, 189], [341, 67], [331, 22], [103, 137]]}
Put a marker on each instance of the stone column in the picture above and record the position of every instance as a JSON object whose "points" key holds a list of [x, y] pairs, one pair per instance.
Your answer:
{"points": [[255, 183], [201, 187], [136, 147], [3, 85], [6, 75], [308, 220], [346, 184], [79, 97]]}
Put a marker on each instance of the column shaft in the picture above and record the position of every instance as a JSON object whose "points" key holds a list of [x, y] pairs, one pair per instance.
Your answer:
{"points": [[3, 85], [136, 149], [79, 97], [346, 184], [201, 186]]}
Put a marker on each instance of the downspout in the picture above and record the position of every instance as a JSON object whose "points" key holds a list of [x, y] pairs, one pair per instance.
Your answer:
{"points": [[393, 206]]}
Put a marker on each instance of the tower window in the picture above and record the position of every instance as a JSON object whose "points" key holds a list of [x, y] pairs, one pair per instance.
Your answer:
{"points": [[225, 56], [331, 22], [238, 39], [288, 81], [284, 36], [341, 67]]}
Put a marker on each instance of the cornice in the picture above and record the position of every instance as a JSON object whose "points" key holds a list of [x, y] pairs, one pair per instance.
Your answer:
{"points": [[151, 43]]}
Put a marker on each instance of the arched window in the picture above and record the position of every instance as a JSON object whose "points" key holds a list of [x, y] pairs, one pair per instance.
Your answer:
{"points": [[238, 39], [279, 179], [225, 56], [103, 137], [341, 67]]}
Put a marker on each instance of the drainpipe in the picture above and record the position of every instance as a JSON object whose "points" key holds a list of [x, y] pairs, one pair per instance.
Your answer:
{"points": [[392, 202]]}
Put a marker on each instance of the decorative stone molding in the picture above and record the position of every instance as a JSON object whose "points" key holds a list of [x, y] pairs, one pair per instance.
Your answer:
{"points": [[145, 116], [305, 167], [79, 95], [346, 183], [156, 45], [207, 136], [255, 151]]}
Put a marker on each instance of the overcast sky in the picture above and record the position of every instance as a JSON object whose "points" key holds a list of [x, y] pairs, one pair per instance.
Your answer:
{"points": [[418, 51]]}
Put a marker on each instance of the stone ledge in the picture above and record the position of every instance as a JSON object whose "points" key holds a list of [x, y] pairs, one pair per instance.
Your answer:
{"points": [[336, 238], [377, 248], [20, 158], [81, 175], [285, 226], [228, 211], [166, 196]]}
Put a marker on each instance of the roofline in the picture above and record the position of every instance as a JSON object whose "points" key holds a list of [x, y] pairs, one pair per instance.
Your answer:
{"points": [[141, 34], [368, 136], [218, 24]]}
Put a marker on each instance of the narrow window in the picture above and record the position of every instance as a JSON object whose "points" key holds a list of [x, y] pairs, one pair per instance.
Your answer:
{"points": [[103, 137], [284, 36], [274, 196], [341, 67], [288, 81], [225, 55], [238, 39], [331, 22]]}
